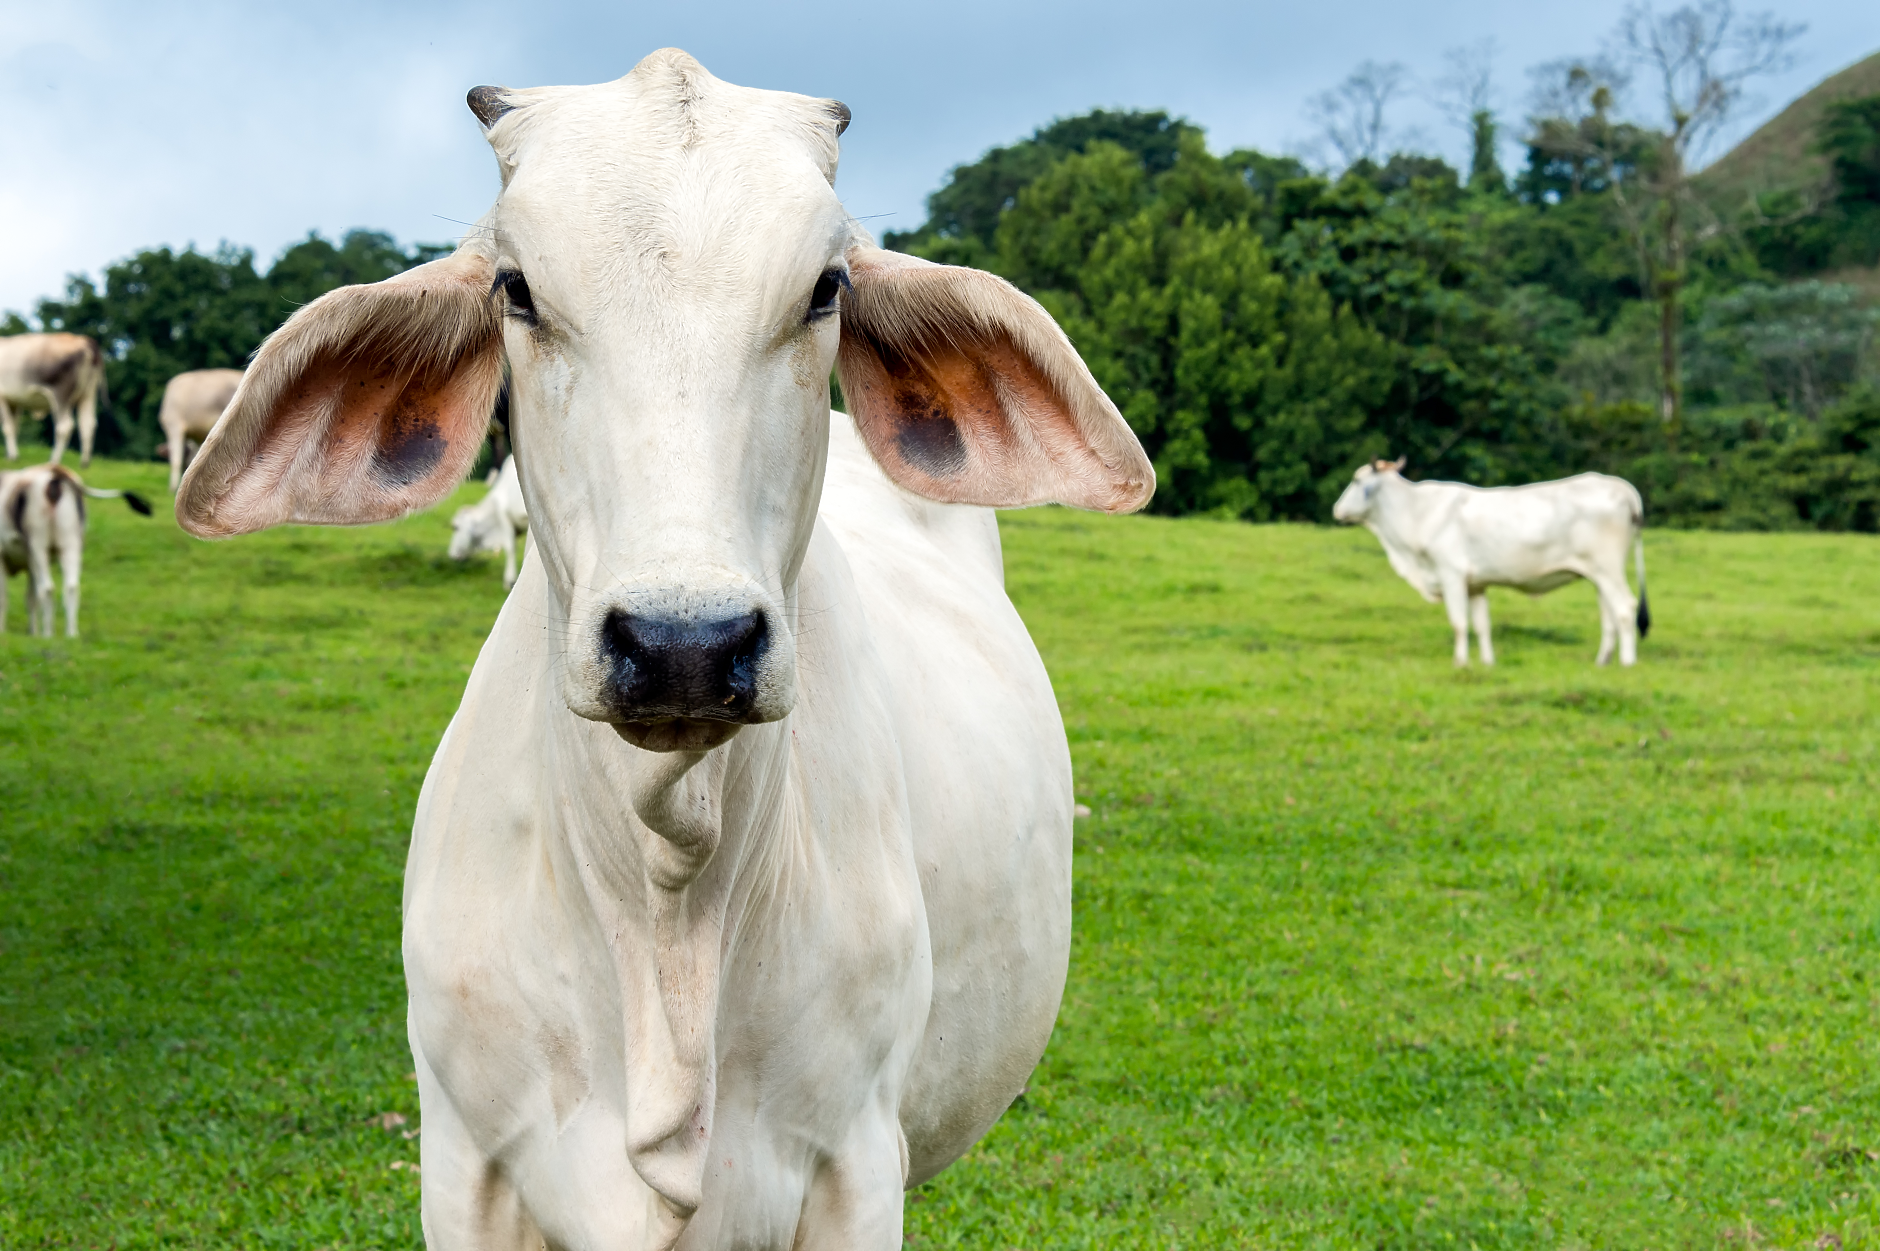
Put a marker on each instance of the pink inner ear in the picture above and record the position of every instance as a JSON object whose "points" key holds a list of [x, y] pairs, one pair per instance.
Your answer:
{"points": [[400, 423], [985, 428], [384, 441]]}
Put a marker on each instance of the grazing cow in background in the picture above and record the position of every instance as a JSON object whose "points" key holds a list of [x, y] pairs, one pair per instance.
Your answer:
{"points": [[192, 403], [61, 373], [493, 523], [769, 917], [1452, 542], [42, 518]]}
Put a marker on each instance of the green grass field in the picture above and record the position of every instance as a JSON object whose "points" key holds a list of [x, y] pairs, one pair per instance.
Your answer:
{"points": [[1370, 952]]}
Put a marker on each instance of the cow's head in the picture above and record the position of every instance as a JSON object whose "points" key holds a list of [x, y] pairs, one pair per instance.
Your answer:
{"points": [[671, 278], [1355, 504]]}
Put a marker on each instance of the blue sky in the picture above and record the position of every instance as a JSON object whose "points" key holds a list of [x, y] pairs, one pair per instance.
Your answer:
{"points": [[131, 125]]}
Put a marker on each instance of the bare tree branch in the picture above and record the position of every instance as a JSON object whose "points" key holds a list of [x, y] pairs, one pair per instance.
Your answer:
{"points": [[1575, 88], [1351, 116], [1699, 57], [1467, 85]]}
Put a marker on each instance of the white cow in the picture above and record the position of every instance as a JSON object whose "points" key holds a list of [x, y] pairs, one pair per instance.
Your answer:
{"points": [[493, 523], [42, 518], [61, 373], [1452, 542], [192, 403], [773, 922]]}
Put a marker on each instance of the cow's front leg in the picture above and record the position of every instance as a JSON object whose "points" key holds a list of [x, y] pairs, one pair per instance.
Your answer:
{"points": [[10, 425], [61, 435], [466, 1202], [855, 1201], [1478, 615], [176, 458], [1456, 604], [87, 428], [508, 533]]}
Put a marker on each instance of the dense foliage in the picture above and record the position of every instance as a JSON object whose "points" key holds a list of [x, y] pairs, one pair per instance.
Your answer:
{"points": [[1265, 328], [162, 312], [1807, 229]]}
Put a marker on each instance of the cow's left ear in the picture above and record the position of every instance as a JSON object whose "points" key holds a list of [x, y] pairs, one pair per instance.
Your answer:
{"points": [[369, 403], [967, 392]]}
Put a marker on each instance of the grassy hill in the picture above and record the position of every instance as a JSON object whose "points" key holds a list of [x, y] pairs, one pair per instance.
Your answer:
{"points": [[1777, 154], [1369, 952]]}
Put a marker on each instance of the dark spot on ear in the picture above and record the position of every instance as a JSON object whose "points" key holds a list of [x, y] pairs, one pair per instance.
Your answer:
{"points": [[841, 114], [411, 443], [930, 441], [488, 104]]}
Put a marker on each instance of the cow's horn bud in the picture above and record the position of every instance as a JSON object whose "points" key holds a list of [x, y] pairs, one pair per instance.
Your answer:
{"points": [[488, 104]]}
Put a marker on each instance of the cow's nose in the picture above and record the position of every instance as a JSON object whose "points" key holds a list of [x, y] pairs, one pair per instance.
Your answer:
{"points": [[663, 667]]}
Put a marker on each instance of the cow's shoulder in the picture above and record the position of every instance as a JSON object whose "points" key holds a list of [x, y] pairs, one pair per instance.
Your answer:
{"points": [[872, 517]]}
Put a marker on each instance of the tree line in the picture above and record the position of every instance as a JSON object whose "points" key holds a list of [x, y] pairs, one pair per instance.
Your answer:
{"points": [[162, 312], [1265, 326]]}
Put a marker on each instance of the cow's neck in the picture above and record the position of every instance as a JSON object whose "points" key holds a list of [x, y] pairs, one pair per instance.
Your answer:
{"points": [[1391, 514], [660, 855]]}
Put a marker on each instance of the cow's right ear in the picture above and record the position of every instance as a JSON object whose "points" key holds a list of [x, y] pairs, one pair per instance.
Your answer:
{"points": [[967, 392], [370, 403]]}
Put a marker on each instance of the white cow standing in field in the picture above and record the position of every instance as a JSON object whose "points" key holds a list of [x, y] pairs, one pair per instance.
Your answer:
{"points": [[769, 918], [493, 523], [42, 519], [61, 373], [192, 403], [1452, 542]]}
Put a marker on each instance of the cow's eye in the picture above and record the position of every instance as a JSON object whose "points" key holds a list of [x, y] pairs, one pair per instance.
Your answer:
{"points": [[822, 297], [515, 289]]}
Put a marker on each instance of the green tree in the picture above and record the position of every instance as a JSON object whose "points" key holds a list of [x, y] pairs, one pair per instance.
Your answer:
{"points": [[1798, 231], [1471, 370], [1249, 389], [162, 312], [964, 213]]}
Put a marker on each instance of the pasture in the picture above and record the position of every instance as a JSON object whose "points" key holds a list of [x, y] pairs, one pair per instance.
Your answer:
{"points": [[1370, 952]]}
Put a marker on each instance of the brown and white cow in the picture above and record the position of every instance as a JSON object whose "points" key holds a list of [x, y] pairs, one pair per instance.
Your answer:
{"points": [[42, 519], [60, 373], [192, 402], [767, 917]]}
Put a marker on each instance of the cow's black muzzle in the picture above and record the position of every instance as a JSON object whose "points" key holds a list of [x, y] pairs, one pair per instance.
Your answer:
{"points": [[663, 668]]}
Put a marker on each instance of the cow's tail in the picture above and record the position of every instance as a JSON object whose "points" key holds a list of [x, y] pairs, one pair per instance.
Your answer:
{"points": [[138, 504], [1644, 605]]}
